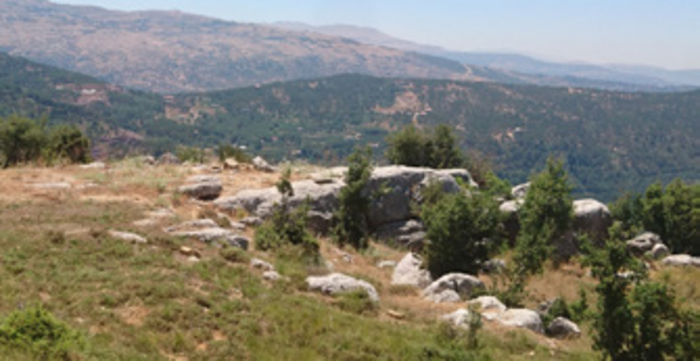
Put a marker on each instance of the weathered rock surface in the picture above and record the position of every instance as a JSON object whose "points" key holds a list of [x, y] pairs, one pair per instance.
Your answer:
{"points": [[459, 318], [643, 243], [128, 237], [563, 328], [592, 218], [400, 187], [462, 284], [409, 272], [338, 283], [409, 234], [168, 159], [262, 165], [261, 265], [488, 303], [271, 276], [209, 235], [520, 191], [445, 296], [205, 188], [660, 251], [522, 318], [681, 260]]}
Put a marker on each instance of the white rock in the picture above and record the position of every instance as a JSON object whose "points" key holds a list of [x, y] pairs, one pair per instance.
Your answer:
{"points": [[660, 251], [460, 283], [386, 264], [511, 206], [520, 191], [446, 296], [681, 260], [58, 185], [271, 276], [409, 272], [128, 237], [459, 318], [94, 165], [563, 328], [338, 283], [488, 303], [521, 318], [262, 265]]}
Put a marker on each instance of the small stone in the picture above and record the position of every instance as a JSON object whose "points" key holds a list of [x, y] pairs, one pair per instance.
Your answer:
{"points": [[128, 237], [386, 264], [563, 328], [271, 276], [260, 264], [188, 251]]}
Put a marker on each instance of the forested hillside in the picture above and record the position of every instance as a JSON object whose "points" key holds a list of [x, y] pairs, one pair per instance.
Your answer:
{"points": [[610, 140]]}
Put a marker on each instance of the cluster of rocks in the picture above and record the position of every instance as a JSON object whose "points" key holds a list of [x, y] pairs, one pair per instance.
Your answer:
{"points": [[208, 231], [391, 215], [269, 272], [648, 242]]}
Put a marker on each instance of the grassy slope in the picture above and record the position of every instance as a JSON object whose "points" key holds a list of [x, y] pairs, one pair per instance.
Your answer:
{"points": [[148, 302]]}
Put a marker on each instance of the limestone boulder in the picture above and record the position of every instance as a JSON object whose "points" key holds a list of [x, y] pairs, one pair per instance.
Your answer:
{"points": [[459, 318], [520, 191], [521, 318], [563, 328], [681, 260], [338, 283], [409, 272], [203, 187], [462, 284], [643, 243], [592, 218], [488, 303]]}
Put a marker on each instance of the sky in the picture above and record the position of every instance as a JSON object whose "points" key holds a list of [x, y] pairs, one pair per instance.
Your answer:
{"points": [[662, 33]]}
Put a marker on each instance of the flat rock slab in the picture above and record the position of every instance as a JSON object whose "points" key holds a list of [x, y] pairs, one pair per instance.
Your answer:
{"points": [[521, 318], [338, 283], [128, 237]]}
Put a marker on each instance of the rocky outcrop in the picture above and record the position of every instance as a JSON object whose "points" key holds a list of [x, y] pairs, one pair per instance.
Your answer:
{"points": [[338, 283], [643, 243], [520, 191], [563, 328], [168, 159], [396, 189], [409, 272], [461, 284], [408, 234], [521, 318], [660, 251], [262, 165], [512, 218], [681, 260], [204, 188], [209, 235], [592, 218], [488, 303]]}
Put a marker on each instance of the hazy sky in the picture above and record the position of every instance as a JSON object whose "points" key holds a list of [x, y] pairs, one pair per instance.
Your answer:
{"points": [[652, 32]]}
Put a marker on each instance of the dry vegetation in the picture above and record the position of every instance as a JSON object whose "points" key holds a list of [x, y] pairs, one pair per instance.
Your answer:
{"points": [[151, 302]]}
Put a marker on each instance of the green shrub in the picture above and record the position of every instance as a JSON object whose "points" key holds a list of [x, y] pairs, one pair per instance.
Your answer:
{"points": [[36, 331], [21, 140], [636, 319], [546, 215], [459, 227], [67, 142], [437, 150], [287, 227], [351, 217], [234, 255], [226, 151], [357, 302], [190, 154]]}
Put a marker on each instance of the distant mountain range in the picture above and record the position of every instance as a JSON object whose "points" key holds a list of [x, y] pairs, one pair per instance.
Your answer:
{"points": [[611, 74], [176, 52], [610, 140], [173, 52]]}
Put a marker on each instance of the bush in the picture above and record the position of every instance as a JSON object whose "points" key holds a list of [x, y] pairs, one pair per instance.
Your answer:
{"points": [[229, 151], [357, 302], [459, 227], [25, 140], [190, 154], [287, 227], [234, 255], [412, 148], [36, 331], [67, 142], [545, 217], [636, 319], [351, 217]]}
